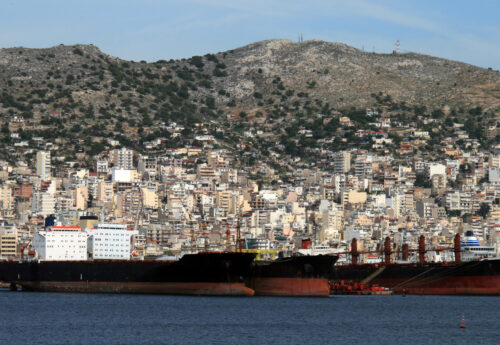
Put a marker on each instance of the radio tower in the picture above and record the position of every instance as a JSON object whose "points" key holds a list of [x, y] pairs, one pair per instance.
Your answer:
{"points": [[398, 45]]}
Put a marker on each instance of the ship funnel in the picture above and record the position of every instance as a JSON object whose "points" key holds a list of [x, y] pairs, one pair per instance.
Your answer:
{"points": [[306, 244], [50, 221]]}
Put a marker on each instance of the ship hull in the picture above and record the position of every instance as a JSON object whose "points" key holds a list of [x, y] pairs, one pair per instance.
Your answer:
{"points": [[173, 288], [291, 287], [214, 274], [219, 274], [301, 276], [469, 278], [480, 286]]}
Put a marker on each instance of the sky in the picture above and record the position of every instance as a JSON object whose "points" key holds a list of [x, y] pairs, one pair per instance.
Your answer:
{"points": [[151, 30]]}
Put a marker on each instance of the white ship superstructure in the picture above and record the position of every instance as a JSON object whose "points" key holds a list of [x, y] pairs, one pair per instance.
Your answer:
{"points": [[110, 242], [64, 243]]}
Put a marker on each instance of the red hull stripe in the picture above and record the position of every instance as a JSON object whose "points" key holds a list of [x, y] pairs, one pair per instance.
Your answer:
{"points": [[176, 288], [470, 285], [307, 287], [450, 291]]}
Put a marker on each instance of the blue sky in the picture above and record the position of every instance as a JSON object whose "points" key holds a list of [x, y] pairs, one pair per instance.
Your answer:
{"points": [[150, 30]]}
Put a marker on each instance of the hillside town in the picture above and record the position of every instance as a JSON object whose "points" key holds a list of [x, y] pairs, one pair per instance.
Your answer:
{"points": [[197, 198]]}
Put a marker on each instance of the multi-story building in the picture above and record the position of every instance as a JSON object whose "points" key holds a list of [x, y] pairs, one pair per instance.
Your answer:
{"points": [[64, 203], [123, 158], [399, 204], [6, 198], [205, 172], [130, 202], [342, 162], [43, 166], [438, 182], [466, 202], [23, 191], [80, 197], [105, 191], [452, 199], [363, 165], [332, 224], [8, 240], [223, 199], [150, 198], [43, 199], [66, 243], [425, 208], [328, 192], [102, 167], [495, 213], [495, 161], [148, 165]]}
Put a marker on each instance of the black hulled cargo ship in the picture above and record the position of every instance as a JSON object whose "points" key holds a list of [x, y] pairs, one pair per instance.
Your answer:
{"points": [[218, 274]]}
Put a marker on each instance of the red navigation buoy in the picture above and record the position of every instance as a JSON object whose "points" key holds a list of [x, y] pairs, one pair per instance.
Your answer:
{"points": [[462, 323]]}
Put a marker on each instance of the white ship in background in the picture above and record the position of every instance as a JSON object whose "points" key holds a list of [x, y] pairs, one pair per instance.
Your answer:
{"points": [[473, 250]]}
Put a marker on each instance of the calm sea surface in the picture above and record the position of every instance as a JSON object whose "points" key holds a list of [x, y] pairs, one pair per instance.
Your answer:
{"points": [[53, 318]]}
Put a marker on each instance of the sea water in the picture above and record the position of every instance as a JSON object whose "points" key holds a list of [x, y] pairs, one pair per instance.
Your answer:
{"points": [[56, 318]]}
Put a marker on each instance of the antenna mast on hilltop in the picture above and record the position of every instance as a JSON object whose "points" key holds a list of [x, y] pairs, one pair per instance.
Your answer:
{"points": [[398, 46], [301, 38]]}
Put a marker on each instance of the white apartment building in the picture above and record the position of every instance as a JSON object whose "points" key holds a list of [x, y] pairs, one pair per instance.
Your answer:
{"points": [[65, 243], [110, 242], [105, 191], [363, 165], [43, 203], [7, 201], [43, 200], [102, 167], [123, 159], [342, 162], [43, 166]]}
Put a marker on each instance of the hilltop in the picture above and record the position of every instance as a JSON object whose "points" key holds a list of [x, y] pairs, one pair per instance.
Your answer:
{"points": [[83, 97], [345, 76]]}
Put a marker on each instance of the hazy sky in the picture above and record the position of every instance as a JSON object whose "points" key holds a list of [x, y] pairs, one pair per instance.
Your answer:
{"points": [[150, 30]]}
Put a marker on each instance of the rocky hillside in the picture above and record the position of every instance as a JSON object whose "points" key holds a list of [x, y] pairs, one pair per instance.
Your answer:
{"points": [[78, 92], [343, 75]]}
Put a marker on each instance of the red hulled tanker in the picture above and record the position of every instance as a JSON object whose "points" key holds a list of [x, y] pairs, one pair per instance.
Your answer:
{"points": [[478, 277]]}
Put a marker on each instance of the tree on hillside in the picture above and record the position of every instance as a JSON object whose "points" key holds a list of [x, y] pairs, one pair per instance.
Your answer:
{"points": [[484, 209], [421, 180]]}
